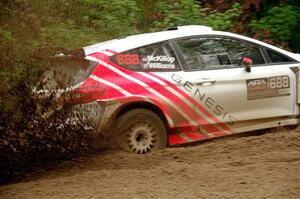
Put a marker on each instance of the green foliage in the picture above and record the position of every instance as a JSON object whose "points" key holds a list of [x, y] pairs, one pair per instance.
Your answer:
{"points": [[68, 34], [177, 13], [100, 20], [223, 21], [280, 23], [190, 12], [6, 35], [113, 18], [58, 10]]}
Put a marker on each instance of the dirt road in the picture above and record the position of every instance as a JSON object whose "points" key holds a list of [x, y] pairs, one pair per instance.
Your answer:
{"points": [[252, 167]]}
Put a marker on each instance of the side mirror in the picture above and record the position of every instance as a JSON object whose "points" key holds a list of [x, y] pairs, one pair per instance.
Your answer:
{"points": [[247, 62]]}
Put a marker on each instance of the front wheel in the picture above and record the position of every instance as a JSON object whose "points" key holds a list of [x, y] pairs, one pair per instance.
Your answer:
{"points": [[141, 131]]}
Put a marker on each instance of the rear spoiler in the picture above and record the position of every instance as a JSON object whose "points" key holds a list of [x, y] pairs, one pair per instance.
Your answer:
{"points": [[75, 53], [98, 47]]}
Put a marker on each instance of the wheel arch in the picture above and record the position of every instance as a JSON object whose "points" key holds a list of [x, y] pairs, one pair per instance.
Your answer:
{"points": [[145, 105]]}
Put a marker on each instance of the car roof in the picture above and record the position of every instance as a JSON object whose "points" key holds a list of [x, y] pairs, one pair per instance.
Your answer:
{"points": [[134, 41], [130, 42]]}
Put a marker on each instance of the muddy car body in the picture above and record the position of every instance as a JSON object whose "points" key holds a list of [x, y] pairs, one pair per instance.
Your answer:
{"points": [[187, 84]]}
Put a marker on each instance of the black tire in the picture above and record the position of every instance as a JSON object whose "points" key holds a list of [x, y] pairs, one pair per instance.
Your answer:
{"points": [[141, 131]]}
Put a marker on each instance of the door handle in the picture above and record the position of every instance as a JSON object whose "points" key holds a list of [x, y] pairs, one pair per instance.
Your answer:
{"points": [[204, 81]]}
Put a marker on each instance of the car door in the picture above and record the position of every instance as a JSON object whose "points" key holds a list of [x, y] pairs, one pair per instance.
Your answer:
{"points": [[220, 84]]}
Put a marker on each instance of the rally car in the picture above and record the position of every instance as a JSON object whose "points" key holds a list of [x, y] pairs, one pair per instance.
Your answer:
{"points": [[186, 84]]}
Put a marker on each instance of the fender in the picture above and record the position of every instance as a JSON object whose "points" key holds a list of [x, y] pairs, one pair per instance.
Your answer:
{"points": [[112, 108]]}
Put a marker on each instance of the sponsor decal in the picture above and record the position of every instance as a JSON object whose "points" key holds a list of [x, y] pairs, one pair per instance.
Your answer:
{"points": [[149, 61], [208, 102], [128, 59], [162, 58], [268, 87], [159, 65], [159, 62]]}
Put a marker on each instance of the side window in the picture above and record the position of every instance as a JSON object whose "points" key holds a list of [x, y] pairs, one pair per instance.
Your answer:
{"points": [[277, 58], [155, 57], [217, 53]]}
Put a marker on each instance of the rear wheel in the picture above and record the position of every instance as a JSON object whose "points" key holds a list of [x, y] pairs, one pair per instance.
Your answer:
{"points": [[141, 131]]}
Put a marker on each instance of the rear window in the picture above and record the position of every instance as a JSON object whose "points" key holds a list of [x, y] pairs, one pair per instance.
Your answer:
{"points": [[155, 57], [66, 71], [278, 58]]}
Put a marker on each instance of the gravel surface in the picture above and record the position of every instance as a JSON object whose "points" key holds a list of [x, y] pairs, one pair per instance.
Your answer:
{"points": [[255, 165]]}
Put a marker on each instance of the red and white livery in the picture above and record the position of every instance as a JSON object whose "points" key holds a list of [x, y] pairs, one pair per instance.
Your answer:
{"points": [[187, 84]]}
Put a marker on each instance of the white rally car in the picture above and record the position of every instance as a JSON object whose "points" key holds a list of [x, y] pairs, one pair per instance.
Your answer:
{"points": [[187, 84]]}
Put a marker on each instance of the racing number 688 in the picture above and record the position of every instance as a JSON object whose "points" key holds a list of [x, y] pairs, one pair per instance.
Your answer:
{"points": [[279, 82]]}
